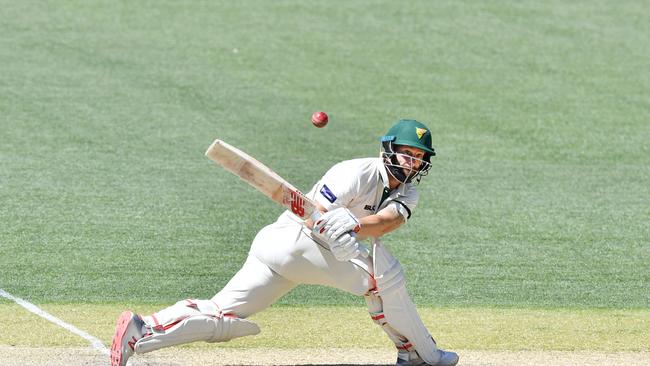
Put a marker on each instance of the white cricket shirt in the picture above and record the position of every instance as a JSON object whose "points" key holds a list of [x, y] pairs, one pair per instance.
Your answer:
{"points": [[361, 185]]}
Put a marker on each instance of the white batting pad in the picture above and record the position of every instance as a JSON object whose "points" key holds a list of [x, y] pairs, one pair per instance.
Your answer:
{"points": [[376, 310], [191, 321], [398, 309]]}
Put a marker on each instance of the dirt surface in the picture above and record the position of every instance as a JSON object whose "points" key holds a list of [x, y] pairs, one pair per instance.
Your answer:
{"points": [[23, 356]]}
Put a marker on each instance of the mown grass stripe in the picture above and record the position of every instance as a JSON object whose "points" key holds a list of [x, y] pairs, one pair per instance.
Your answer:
{"points": [[336, 327]]}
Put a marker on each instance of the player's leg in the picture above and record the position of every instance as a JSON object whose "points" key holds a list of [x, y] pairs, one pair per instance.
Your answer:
{"points": [[383, 285], [391, 307], [219, 319], [254, 288], [311, 263], [315, 264], [389, 303]]}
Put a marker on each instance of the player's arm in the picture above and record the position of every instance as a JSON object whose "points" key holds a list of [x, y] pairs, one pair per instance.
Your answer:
{"points": [[384, 221], [335, 228]]}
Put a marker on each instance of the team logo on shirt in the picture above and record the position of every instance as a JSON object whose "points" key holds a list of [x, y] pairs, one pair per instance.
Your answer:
{"points": [[325, 191], [369, 208], [420, 132]]}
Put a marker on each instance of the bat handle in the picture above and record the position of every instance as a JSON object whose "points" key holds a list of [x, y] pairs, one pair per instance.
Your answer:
{"points": [[365, 251]]}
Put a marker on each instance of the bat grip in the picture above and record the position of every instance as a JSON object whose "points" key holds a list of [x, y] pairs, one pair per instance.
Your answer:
{"points": [[365, 251]]}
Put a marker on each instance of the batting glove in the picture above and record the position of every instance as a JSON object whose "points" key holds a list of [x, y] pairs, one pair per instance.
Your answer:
{"points": [[335, 223], [345, 247]]}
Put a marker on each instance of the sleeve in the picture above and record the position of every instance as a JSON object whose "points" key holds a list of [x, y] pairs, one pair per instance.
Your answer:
{"points": [[337, 188], [404, 202]]}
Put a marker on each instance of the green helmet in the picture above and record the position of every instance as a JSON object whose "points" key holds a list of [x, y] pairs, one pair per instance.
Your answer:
{"points": [[407, 132], [410, 132]]}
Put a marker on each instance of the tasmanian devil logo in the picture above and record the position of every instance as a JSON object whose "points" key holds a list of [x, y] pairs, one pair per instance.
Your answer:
{"points": [[420, 132]]}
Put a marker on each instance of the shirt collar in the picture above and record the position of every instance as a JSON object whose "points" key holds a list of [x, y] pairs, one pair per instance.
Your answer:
{"points": [[383, 173]]}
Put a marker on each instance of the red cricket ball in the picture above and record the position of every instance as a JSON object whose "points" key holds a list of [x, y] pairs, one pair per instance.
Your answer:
{"points": [[319, 119]]}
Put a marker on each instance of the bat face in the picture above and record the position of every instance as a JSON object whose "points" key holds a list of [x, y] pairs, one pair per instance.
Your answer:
{"points": [[261, 178]]}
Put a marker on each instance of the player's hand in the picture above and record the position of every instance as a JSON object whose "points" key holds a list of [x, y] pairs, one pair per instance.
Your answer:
{"points": [[345, 247], [333, 224]]}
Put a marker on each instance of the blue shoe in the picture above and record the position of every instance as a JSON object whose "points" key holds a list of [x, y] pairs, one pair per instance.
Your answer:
{"points": [[412, 359]]}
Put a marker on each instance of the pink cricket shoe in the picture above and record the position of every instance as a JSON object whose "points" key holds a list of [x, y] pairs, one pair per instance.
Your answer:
{"points": [[127, 332]]}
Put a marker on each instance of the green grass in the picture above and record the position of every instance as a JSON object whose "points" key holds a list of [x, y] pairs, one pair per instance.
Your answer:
{"points": [[539, 196], [303, 328]]}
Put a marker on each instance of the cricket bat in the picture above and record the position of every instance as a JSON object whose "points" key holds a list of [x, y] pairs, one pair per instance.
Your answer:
{"points": [[261, 178], [265, 180]]}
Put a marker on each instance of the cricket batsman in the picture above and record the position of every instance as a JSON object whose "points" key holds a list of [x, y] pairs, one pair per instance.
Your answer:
{"points": [[356, 199]]}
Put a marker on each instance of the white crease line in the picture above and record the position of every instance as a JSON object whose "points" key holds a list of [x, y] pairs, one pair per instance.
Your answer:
{"points": [[96, 343]]}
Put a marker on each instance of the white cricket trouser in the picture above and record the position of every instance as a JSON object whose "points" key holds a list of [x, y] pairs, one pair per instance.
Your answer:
{"points": [[282, 256]]}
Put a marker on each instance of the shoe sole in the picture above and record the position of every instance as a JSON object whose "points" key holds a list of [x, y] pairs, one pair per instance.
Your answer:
{"points": [[120, 329]]}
